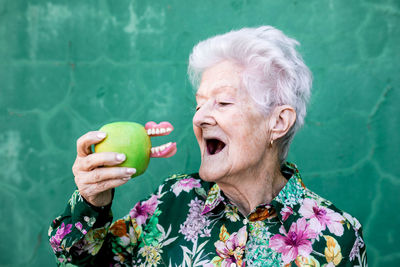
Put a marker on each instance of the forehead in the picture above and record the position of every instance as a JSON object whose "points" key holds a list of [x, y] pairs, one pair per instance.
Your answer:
{"points": [[222, 78]]}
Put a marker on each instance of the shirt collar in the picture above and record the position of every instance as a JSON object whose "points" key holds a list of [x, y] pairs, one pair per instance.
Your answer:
{"points": [[213, 199], [283, 205]]}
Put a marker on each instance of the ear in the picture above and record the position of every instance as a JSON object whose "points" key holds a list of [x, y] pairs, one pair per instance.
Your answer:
{"points": [[281, 120]]}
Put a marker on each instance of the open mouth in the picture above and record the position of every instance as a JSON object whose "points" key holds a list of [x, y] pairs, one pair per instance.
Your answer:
{"points": [[214, 146], [163, 128]]}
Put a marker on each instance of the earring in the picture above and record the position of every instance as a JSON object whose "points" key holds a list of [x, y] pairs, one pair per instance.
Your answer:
{"points": [[272, 142]]}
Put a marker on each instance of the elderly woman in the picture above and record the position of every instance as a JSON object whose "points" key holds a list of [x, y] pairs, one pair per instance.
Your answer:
{"points": [[246, 206]]}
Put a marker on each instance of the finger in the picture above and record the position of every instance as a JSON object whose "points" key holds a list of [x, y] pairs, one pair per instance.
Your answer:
{"points": [[99, 175], [85, 141], [106, 185], [95, 160]]}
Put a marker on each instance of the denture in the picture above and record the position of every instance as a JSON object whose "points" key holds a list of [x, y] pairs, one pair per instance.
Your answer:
{"points": [[163, 128]]}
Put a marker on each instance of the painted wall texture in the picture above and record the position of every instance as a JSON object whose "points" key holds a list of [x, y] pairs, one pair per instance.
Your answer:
{"points": [[68, 67]]}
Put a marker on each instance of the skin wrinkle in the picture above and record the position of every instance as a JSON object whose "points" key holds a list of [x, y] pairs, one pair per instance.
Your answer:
{"points": [[247, 170]]}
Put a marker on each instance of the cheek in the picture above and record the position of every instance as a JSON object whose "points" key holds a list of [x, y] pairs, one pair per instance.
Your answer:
{"points": [[243, 137], [250, 135], [249, 152], [248, 144]]}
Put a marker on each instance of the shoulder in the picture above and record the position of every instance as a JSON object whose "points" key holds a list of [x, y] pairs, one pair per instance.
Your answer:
{"points": [[331, 229], [323, 208], [339, 234]]}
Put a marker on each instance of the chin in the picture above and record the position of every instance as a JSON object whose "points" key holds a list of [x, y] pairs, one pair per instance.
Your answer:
{"points": [[209, 174], [214, 160], [204, 174]]}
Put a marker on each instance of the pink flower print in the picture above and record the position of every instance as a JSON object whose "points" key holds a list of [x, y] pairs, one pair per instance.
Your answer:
{"points": [[231, 251], [322, 217], [295, 242], [142, 210], [286, 212], [186, 185], [79, 226], [62, 231]]}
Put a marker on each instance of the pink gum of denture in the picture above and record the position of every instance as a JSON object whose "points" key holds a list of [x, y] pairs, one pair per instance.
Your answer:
{"points": [[162, 125]]}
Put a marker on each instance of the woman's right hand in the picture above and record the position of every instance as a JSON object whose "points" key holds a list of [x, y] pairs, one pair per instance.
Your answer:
{"points": [[93, 180]]}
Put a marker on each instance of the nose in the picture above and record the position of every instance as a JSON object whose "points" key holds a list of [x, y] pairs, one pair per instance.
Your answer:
{"points": [[204, 116]]}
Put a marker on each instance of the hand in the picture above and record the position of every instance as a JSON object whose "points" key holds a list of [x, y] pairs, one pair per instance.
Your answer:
{"points": [[94, 181]]}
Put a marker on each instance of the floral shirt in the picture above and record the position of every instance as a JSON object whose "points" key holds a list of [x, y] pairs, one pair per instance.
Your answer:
{"points": [[189, 222]]}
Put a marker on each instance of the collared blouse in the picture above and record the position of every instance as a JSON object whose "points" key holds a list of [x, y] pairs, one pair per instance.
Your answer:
{"points": [[189, 222]]}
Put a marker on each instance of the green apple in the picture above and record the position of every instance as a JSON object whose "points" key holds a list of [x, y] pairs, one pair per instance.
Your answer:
{"points": [[129, 138]]}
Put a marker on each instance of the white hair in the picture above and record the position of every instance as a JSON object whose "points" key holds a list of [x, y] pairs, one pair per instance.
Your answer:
{"points": [[274, 72]]}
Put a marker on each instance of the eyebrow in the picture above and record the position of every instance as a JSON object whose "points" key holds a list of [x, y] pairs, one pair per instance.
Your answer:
{"points": [[215, 91]]}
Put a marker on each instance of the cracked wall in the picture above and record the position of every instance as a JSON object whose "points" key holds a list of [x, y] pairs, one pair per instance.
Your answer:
{"points": [[70, 67]]}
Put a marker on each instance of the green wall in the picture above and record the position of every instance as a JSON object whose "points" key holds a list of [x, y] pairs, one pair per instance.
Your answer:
{"points": [[67, 67]]}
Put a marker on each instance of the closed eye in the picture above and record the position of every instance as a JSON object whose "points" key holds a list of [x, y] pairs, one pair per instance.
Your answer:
{"points": [[223, 104]]}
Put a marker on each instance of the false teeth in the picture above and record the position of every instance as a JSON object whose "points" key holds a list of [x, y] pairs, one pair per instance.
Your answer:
{"points": [[154, 131], [160, 148]]}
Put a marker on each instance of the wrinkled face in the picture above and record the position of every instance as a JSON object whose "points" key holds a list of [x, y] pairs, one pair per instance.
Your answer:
{"points": [[231, 132]]}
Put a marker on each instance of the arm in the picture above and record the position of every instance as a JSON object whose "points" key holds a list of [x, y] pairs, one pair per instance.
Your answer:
{"points": [[79, 235], [83, 235]]}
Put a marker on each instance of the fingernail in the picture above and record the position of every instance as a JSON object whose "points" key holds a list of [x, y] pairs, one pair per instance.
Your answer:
{"points": [[130, 170], [101, 135], [126, 178], [120, 157]]}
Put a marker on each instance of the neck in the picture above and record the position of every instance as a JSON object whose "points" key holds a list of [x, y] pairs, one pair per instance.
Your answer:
{"points": [[254, 187]]}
